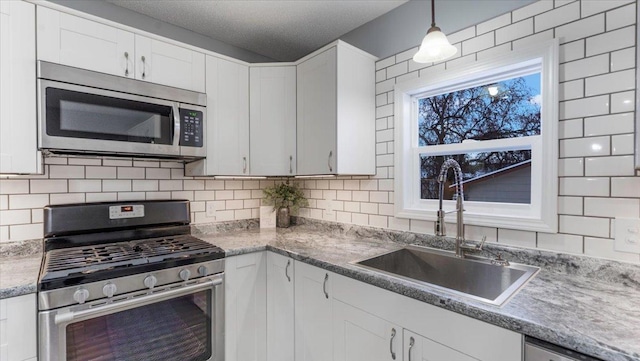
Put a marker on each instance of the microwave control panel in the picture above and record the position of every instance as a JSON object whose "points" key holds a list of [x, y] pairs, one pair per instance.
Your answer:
{"points": [[191, 128]]}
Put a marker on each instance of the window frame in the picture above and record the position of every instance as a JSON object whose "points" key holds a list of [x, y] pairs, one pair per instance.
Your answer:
{"points": [[542, 214]]}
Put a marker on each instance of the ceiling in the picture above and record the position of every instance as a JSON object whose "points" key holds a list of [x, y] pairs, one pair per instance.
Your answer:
{"points": [[281, 30]]}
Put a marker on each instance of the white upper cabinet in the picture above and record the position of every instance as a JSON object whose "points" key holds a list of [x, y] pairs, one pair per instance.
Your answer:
{"points": [[227, 124], [336, 112], [18, 123], [272, 120], [167, 64], [82, 43]]}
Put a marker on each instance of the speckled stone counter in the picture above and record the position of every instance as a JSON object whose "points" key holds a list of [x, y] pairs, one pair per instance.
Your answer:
{"points": [[19, 268], [581, 303]]}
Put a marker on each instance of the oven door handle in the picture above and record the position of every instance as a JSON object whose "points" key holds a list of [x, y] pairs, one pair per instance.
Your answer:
{"points": [[176, 125], [68, 317]]}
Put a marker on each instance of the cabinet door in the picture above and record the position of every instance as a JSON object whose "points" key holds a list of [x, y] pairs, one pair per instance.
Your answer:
{"points": [[313, 305], [18, 123], [361, 336], [418, 348], [18, 339], [280, 337], [70, 40], [167, 64], [272, 114], [227, 120], [317, 107], [245, 307]]}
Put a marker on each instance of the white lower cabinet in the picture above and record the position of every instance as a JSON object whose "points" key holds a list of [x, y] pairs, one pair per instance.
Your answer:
{"points": [[18, 328], [280, 316], [361, 336], [245, 307], [313, 313], [418, 348]]}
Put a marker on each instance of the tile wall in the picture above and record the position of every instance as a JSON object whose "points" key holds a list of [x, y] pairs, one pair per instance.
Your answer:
{"points": [[596, 184], [597, 181]]}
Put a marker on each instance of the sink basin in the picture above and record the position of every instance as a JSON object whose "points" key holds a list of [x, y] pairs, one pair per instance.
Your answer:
{"points": [[471, 277]]}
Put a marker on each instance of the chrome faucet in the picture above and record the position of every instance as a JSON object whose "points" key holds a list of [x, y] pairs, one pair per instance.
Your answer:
{"points": [[440, 230]]}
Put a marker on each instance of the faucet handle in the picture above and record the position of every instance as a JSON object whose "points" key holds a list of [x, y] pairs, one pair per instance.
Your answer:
{"points": [[484, 239]]}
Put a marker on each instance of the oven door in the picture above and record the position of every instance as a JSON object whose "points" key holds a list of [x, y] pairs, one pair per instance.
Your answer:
{"points": [[86, 119], [184, 323]]}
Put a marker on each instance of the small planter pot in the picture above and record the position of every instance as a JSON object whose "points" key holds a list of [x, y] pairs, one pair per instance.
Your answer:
{"points": [[283, 218]]}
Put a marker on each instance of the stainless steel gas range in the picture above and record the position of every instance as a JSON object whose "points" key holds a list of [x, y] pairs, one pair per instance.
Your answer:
{"points": [[127, 281]]}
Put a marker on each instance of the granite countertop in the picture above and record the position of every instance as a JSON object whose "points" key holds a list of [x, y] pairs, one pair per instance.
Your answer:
{"points": [[581, 303]]}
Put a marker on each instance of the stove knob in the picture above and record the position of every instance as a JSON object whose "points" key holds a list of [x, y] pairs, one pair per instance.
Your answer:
{"points": [[109, 289], [81, 295], [150, 281], [185, 274], [203, 271]]}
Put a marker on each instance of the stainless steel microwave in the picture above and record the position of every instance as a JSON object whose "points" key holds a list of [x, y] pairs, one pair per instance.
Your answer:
{"points": [[82, 111]]}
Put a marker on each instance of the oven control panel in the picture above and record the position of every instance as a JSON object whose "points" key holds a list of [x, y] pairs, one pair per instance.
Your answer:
{"points": [[191, 128], [126, 211]]}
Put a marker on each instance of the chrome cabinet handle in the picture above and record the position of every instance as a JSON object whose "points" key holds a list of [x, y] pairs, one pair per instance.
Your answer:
{"points": [[286, 270], [411, 343], [324, 285], [244, 164], [126, 58], [144, 67], [393, 335], [329, 161], [290, 164]]}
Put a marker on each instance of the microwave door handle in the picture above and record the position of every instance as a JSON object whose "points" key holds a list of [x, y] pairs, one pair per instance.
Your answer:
{"points": [[176, 125]]}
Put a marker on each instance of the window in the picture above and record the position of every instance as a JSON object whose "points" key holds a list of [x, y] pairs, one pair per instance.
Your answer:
{"points": [[498, 119]]}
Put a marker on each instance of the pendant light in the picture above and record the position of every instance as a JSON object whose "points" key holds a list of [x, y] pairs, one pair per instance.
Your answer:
{"points": [[435, 46]]}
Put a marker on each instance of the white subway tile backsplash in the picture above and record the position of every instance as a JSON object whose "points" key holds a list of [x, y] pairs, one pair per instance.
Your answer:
{"points": [[623, 102], [101, 197], [609, 124], [4, 202], [603, 248], [475, 233], [14, 186], [378, 221], [610, 83], [385, 62], [130, 196], [571, 167], [570, 205], [170, 185], [621, 17], [582, 147], [397, 69], [625, 187], [158, 173], [571, 90], [83, 161], [583, 68], [623, 59], [55, 160], [37, 215], [188, 195], [26, 231], [497, 22], [572, 51], [611, 41], [598, 187], [25, 201], [19, 216], [533, 39], [385, 86], [145, 185], [343, 217], [612, 207], [581, 29], [100, 172], [117, 162], [4, 234], [130, 173], [585, 107], [561, 242], [193, 185], [158, 195], [531, 10], [517, 238], [570, 129], [114, 185], [146, 164], [609, 166], [478, 43], [460, 62], [557, 17], [176, 165], [494, 51], [66, 171], [66, 198], [622, 144], [48, 185], [591, 7], [461, 35], [381, 75], [360, 196], [586, 226]]}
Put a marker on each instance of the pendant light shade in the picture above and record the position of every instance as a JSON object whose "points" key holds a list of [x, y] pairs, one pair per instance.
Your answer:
{"points": [[435, 46]]}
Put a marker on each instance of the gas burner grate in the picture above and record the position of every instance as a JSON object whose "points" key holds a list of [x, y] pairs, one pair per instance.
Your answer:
{"points": [[64, 262]]}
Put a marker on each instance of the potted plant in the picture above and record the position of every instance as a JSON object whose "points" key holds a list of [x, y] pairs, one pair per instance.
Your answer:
{"points": [[284, 198]]}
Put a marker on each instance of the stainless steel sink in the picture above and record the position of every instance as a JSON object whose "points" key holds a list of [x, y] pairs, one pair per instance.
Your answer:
{"points": [[471, 277]]}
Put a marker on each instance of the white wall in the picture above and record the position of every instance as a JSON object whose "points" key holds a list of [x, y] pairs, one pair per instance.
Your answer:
{"points": [[597, 75]]}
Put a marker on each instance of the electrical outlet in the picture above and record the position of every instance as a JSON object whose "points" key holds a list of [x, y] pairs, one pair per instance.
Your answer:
{"points": [[210, 208], [627, 235]]}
